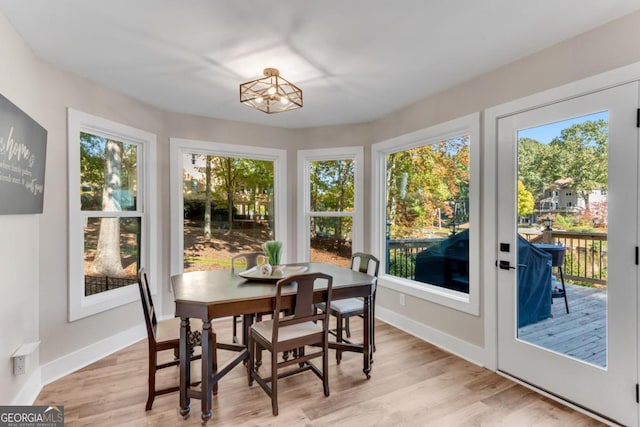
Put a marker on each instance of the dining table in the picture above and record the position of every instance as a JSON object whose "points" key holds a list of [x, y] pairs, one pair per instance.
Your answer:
{"points": [[214, 294]]}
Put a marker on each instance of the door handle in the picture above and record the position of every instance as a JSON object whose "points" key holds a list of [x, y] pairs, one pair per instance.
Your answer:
{"points": [[505, 265]]}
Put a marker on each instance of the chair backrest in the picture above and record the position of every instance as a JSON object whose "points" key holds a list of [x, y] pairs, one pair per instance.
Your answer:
{"points": [[304, 309], [147, 305], [250, 258], [365, 263]]}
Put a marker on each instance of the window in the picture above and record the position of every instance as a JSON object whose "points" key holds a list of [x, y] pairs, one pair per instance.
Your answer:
{"points": [[567, 193], [228, 208], [330, 204], [225, 199], [569, 204], [110, 208], [425, 192]]}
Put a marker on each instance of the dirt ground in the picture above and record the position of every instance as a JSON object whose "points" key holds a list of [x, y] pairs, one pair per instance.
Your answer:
{"points": [[209, 254]]}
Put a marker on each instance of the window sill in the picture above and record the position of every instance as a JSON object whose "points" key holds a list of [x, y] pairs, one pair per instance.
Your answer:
{"points": [[445, 297]]}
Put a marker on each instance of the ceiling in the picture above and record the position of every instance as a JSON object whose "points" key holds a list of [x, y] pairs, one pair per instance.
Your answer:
{"points": [[355, 60]]}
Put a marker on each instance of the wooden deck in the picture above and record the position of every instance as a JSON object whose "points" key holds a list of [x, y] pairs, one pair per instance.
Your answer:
{"points": [[582, 333]]}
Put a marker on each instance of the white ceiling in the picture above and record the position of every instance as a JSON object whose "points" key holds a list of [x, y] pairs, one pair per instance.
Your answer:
{"points": [[355, 60]]}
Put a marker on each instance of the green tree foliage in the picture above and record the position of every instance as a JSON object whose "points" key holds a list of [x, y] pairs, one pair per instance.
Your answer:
{"points": [[425, 182], [579, 153], [227, 181], [332, 187], [533, 159]]}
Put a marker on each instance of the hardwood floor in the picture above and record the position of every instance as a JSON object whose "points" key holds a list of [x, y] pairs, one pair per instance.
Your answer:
{"points": [[413, 383]]}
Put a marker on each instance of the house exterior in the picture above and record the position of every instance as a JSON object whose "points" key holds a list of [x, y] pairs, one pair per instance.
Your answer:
{"points": [[561, 197]]}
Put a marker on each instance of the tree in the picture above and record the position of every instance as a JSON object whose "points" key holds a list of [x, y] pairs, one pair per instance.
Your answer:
{"points": [[427, 182], [580, 153], [207, 197], [526, 202], [107, 260], [332, 189], [533, 165]]}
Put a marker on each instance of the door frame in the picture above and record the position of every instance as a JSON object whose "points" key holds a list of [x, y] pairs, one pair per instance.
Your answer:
{"points": [[489, 190], [575, 89]]}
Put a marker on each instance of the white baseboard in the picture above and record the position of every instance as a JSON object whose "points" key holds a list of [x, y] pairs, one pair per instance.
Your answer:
{"points": [[472, 353], [30, 391], [80, 358]]}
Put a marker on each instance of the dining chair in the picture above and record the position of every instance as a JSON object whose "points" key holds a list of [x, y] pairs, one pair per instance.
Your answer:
{"points": [[292, 333], [161, 336], [344, 309], [250, 261]]}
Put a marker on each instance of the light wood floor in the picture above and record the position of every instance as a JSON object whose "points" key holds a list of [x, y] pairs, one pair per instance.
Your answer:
{"points": [[413, 383]]}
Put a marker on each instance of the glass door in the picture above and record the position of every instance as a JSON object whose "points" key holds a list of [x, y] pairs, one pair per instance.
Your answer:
{"points": [[567, 227]]}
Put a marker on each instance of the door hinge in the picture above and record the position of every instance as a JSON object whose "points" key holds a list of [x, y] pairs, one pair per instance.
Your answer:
{"points": [[638, 118], [637, 393], [637, 256]]}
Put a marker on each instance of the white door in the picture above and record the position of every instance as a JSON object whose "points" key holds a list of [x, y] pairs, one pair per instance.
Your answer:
{"points": [[587, 189]]}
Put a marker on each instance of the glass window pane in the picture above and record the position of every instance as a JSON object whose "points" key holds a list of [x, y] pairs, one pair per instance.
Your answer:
{"points": [[428, 213], [108, 174], [332, 185], [228, 208], [331, 240], [111, 253], [563, 236]]}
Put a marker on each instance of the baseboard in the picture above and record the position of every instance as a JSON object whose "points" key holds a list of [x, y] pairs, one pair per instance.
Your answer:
{"points": [[80, 358], [472, 353], [30, 391]]}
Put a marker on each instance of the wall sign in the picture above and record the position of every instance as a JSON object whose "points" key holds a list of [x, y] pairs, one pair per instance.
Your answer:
{"points": [[23, 149]]}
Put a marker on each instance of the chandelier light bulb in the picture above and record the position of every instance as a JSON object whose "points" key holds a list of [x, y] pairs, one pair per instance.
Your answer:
{"points": [[271, 93]]}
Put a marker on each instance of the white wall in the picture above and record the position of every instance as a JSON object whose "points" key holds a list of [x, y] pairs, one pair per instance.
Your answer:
{"points": [[36, 305], [19, 234]]}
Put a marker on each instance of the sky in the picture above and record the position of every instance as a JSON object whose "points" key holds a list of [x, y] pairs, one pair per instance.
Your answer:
{"points": [[546, 133]]}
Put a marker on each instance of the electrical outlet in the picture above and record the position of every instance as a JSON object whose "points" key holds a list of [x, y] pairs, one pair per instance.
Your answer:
{"points": [[19, 365], [403, 300]]}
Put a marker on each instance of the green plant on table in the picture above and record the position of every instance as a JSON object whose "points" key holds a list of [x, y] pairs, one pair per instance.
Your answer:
{"points": [[271, 249]]}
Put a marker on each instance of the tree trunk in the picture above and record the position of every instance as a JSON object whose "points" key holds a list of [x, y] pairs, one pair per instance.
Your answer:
{"points": [[230, 192], [207, 198], [107, 260]]}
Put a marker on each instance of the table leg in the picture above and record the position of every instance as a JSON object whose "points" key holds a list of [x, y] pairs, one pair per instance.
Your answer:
{"points": [[207, 361], [185, 367], [366, 353]]}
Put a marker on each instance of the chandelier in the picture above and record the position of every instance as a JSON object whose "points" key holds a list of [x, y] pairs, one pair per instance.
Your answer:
{"points": [[271, 93]]}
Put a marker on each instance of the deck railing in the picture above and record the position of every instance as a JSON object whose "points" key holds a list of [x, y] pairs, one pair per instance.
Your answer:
{"points": [[401, 255], [585, 259], [586, 256]]}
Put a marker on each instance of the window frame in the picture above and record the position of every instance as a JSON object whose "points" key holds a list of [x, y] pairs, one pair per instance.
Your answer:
{"points": [[81, 306], [467, 125], [180, 146], [305, 157]]}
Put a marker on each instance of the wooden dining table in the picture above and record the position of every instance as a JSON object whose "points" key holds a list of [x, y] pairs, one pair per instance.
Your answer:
{"points": [[213, 294]]}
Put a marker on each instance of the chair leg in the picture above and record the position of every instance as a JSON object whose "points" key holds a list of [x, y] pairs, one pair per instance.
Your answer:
{"points": [[373, 326], [274, 382], [235, 330], [250, 364], [214, 360], [346, 327], [338, 337], [564, 290], [152, 380], [325, 367]]}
